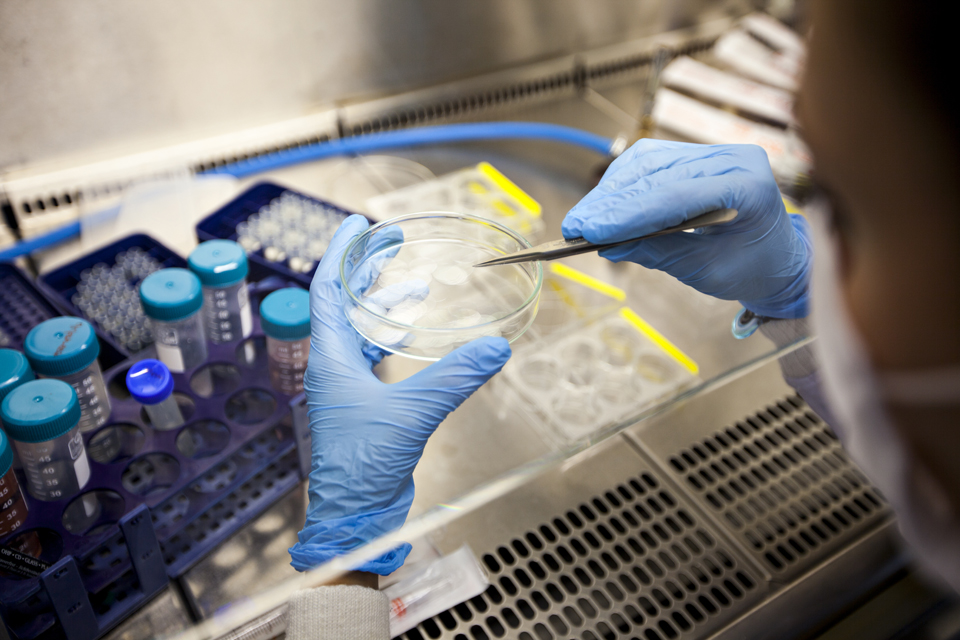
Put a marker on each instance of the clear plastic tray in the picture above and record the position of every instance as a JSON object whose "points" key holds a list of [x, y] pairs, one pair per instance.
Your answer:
{"points": [[410, 286], [587, 377], [480, 190]]}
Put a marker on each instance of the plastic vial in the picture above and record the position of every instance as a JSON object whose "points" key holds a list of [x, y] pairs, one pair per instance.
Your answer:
{"points": [[42, 418], [13, 509], [222, 268], [285, 319], [67, 348], [151, 384], [172, 299], [14, 371]]}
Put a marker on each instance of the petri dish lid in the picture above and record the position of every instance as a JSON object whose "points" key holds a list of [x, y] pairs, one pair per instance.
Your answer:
{"points": [[356, 180], [6, 454], [14, 371], [285, 314], [40, 410], [171, 294], [219, 263], [150, 381], [61, 346]]}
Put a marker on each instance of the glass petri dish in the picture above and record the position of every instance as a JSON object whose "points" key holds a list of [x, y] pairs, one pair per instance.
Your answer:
{"points": [[410, 286]]}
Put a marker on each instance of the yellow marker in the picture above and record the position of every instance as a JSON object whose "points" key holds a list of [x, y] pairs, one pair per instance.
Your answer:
{"points": [[791, 206], [564, 295], [477, 188], [580, 277], [504, 209], [644, 327], [509, 188]]}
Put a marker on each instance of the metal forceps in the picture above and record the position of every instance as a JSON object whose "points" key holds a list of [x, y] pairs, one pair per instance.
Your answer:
{"points": [[565, 248]]}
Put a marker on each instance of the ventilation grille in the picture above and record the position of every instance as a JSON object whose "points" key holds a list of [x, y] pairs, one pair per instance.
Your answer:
{"points": [[632, 563], [474, 104], [780, 481], [611, 69], [26, 206], [231, 159], [467, 106]]}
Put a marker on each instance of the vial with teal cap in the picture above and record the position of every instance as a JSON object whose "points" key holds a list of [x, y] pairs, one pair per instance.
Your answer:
{"points": [[222, 268], [13, 509], [150, 383], [14, 371], [172, 299], [285, 319], [67, 348], [42, 419]]}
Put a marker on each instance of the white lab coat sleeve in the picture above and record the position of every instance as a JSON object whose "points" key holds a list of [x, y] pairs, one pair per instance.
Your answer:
{"points": [[338, 613], [799, 368]]}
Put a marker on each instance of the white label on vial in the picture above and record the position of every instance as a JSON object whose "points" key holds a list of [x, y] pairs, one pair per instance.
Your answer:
{"points": [[246, 319], [75, 446], [82, 467], [171, 356]]}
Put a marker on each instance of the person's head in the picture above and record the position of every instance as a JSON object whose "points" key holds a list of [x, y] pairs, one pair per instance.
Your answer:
{"points": [[879, 110]]}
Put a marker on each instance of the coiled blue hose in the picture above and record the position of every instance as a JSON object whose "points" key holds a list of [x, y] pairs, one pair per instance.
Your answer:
{"points": [[418, 137]]}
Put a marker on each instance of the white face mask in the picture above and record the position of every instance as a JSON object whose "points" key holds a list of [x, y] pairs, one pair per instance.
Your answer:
{"points": [[855, 393]]}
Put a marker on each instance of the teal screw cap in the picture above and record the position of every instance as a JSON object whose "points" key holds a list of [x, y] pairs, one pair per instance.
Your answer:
{"points": [[219, 263], [171, 294], [6, 454], [285, 314], [61, 346], [40, 410], [14, 371]]}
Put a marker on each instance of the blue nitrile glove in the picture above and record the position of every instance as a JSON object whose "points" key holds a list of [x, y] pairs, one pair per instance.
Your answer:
{"points": [[762, 258], [367, 436]]}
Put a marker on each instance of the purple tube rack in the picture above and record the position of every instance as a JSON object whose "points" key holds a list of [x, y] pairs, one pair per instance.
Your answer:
{"points": [[99, 578], [61, 283], [223, 223]]}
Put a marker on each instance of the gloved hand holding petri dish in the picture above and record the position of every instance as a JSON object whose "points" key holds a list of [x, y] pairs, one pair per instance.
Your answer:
{"points": [[410, 287]]}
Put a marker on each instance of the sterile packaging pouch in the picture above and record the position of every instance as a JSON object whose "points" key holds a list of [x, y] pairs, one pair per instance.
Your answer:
{"points": [[726, 89], [753, 59], [445, 583], [775, 33], [700, 122], [480, 190]]}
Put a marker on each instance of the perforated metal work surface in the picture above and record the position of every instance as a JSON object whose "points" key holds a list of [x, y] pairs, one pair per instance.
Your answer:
{"points": [[781, 482], [628, 558], [620, 544]]}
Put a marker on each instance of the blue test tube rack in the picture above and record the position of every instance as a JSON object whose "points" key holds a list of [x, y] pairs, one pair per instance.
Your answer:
{"points": [[222, 224], [169, 520]]}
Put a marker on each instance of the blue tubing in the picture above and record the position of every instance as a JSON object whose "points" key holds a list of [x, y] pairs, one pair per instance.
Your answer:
{"points": [[421, 136], [45, 241]]}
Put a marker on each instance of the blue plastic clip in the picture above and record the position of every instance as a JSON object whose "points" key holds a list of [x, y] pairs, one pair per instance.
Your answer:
{"points": [[69, 599], [144, 549]]}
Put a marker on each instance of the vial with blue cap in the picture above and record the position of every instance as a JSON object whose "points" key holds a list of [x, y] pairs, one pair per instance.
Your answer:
{"points": [[222, 268], [285, 319], [14, 371], [172, 299], [42, 419], [13, 508], [66, 348], [151, 384]]}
